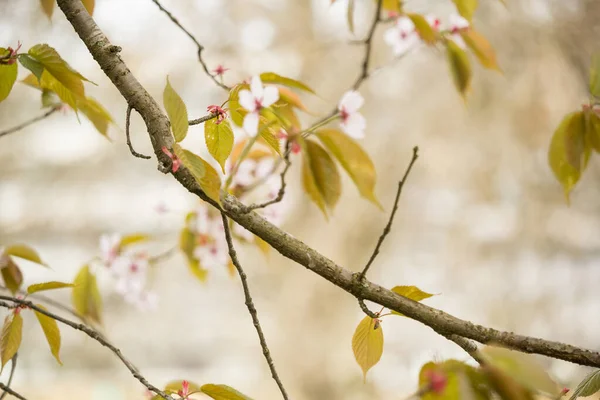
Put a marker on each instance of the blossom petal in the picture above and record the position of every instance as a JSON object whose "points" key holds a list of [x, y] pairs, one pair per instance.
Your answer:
{"points": [[405, 24], [351, 101], [251, 123], [458, 22], [247, 100], [256, 87], [270, 96], [355, 125]]}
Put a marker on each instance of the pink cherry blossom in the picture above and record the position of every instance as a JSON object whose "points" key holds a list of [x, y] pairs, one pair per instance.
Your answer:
{"points": [[255, 99], [353, 123]]}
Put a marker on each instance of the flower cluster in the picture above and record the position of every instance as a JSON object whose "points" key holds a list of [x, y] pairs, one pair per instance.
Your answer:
{"points": [[211, 246]]}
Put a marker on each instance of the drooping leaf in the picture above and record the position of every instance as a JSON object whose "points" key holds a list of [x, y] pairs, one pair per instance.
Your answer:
{"points": [[267, 135], [12, 276], [51, 331], [48, 7], [8, 76], [219, 140], [236, 111], [410, 292], [11, 337], [89, 6], [353, 159], [460, 67], [271, 77], [134, 238], [206, 176], [482, 49], [86, 296], [466, 8], [38, 287], [350, 15], [187, 244], [425, 31], [367, 344], [588, 386], [96, 113], [320, 176], [25, 252], [177, 112], [595, 76], [222, 392], [31, 64]]}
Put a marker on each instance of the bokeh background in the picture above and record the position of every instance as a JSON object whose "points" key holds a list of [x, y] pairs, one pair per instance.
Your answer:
{"points": [[482, 222]]}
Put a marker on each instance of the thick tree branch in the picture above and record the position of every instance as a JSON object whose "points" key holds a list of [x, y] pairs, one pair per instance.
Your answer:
{"points": [[251, 307], [127, 135], [30, 122], [88, 331], [290, 247]]}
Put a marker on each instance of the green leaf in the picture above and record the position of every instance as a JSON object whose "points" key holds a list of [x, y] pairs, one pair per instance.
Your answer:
{"points": [[219, 140], [31, 64], [393, 6], [8, 76], [588, 386], [51, 331], [592, 130], [65, 95], [595, 76], [89, 5], [410, 292], [86, 296], [96, 113], [482, 49], [367, 344], [460, 67], [267, 135], [425, 31], [271, 77], [206, 176], [350, 15], [25, 252], [321, 178], [12, 276], [38, 287], [353, 159], [187, 244], [48, 7], [455, 380], [569, 153], [177, 112], [134, 238], [466, 8], [522, 368], [50, 99], [222, 392], [11, 337]]}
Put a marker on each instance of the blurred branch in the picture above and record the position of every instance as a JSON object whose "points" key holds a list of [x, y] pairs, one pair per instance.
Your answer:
{"points": [[368, 43], [158, 129], [250, 305], [196, 42], [88, 331], [6, 388], [127, 123], [30, 122]]}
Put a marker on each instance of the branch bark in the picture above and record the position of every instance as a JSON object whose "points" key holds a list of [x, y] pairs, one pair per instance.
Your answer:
{"points": [[290, 247]]}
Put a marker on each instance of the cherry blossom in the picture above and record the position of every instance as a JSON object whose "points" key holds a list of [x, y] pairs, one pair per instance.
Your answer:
{"points": [[353, 123], [402, 37], [130, 273], [109, 248], [220, 70], [255, 99], [176, 161], [458, 24]]}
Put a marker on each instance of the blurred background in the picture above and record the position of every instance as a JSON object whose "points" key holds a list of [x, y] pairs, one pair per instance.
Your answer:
{"points": [[482, 221]]}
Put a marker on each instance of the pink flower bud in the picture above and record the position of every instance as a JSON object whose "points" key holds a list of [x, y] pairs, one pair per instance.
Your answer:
{"points": [[176, 161], [437, 381]]}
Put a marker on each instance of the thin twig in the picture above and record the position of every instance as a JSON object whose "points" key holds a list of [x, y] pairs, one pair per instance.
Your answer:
{"points": [[8, 390], [196, 42], [388, 227], [368, 42], [202, 119], [250, 305], [366, 310], [13, 367], [31, 121], [91, 333], [127, 123]]}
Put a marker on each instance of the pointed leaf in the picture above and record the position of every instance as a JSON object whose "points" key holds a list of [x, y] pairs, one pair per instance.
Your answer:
{"points": [[51, 331], [410, 292], [588, 386], [222, 392], [320, 176], [8, 76], [89, 6], [12, 276], [25, 252], [135, 238], [96, 113], [425, 31], [219, 140], [466, 8], [38, 287], [595, 76], [460, 66], [353, 159], [177, 112], [271, 77], [48, 7], [206, 176], [11, 337], [367, 344], [86, 296], [482, 49]]}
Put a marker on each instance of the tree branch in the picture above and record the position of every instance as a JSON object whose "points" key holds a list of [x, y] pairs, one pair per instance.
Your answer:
{"points": [[196, 42], [91, 333], [368, 42], [30, 122], [290, 247], [251, 308], [6, 388], [202, 119], [127, 123]]}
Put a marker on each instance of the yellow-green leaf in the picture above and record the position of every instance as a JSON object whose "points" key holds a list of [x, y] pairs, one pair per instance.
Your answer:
{"points": [[89, 5], [367, 344], [595, 76], [410, 292], [8, 76], [320, 176], [97, 114], [51, 331], [134, 238], [65, 95], [592, 129], [392, 6], [423, 28], [271, 77], [353, 159], [48, 7], [86, 296], [187, 244], [11, 337], [177, 112], [222, 392], [291, 98], [12, 276], [460, 67], [350, 15], [206, 176], [466, 8], [482, 49], [38, 287], [31, 64], [219, 140], [568, 153], [25, 252], [588, 386], [267, 136]]}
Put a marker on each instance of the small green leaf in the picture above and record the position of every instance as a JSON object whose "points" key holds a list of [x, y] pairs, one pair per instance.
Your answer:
{"points": [[48, 7], [588, 386], [367, 344], [8, 76], [460, 66], [425, 31], [96, 113], [51, 331], [38, 287], [177, 112], [321, 178], [25, 252], [595, 76], [350, 15], [222, 392], [410, 292], [353, 159], [12, 276], [482, 49], [271, 77], [206, 176], [31, 64], [86, 296], [134, 238], [11, 337], [466, 8], [219, 140]]}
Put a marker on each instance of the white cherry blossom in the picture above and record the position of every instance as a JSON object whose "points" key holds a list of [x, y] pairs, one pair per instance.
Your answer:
{"points": [[254, 100], [457, 24], [402, 37], [353, 123]]}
